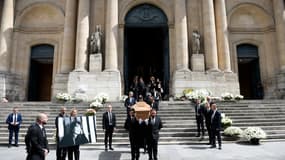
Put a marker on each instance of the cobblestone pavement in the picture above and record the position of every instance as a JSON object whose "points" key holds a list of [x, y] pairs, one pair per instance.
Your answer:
{"points": [[230, 151]]}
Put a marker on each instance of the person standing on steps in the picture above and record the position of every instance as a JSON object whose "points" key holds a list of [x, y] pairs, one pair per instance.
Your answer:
{"points": [[60, 151], [14, 121], [109, 125], [216, 126]]}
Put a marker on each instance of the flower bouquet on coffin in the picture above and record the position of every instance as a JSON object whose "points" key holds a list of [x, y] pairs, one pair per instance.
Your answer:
{"points": [[232, 133], [226, 121], [62, 97], [254, 134]]}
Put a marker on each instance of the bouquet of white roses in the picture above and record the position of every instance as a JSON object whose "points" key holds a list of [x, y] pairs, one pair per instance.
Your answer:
{"points": [[227, 96], [63, 96], [102, 98], [233, 131], [253, 133], [96, 105], [226, 121], [198, 94], [238, 97]]}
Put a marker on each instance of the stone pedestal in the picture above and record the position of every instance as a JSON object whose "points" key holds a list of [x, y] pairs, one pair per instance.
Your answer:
{"points": [[197, 63], [91, 84], [95, 63], [11, 87]]}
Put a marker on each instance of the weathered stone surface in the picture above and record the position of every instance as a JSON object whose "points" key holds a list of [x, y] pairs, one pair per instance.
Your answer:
{"points": [[95, 63]]}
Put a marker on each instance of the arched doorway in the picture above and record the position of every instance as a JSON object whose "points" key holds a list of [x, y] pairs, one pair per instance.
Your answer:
{"points": [[146, 45], [40, 76], [249, 72]]}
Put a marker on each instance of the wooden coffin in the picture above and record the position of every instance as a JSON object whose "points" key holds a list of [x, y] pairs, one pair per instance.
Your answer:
{"points": [[142, 110]]}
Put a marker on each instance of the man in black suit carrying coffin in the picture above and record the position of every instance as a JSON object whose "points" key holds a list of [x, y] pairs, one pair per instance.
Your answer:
{"points": [[109, 125], [154, 125], [38, 143], [216, 126]]}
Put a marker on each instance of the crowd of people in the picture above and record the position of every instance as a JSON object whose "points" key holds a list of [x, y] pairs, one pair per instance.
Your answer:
{"points": [[143, 133], [208, 113]]}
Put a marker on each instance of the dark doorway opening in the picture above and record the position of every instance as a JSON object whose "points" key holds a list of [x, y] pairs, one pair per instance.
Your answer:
{"points": [[146, 46], [249, 72], [40, 78]]}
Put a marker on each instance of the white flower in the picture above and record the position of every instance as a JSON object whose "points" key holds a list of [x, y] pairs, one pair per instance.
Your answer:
{"points": [[123, 98], [233, 131], [238, 97], [63, 96], [198, 94], [102, 98], [227, 96], [253, 132], [96, 104]]}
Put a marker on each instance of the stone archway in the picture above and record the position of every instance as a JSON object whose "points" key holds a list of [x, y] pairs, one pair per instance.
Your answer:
{"points": [[146, 45]]}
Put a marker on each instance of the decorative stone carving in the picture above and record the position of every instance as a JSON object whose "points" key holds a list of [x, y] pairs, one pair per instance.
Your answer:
{"points": [[95, 41], [196, 42]]}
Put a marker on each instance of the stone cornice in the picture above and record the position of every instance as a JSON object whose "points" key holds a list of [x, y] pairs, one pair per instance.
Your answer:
{"points": [[236, 30], [37, 30]]}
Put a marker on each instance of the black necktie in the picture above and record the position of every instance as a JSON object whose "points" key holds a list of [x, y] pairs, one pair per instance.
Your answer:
{"points": [[44, 132]]}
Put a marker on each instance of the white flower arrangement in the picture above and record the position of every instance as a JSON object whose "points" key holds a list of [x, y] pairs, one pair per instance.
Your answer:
{"points": [[227, 96], [233, 131], [238, 97], [253, 133], [102, 98], [96, 104], [63, 96], [198, 94], [79, 97], [178, 96], [226, 121]]}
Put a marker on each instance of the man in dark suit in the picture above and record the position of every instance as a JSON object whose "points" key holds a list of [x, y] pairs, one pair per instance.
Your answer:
{"points": [[208, 114], [199, 114], [154, 125], [129, 102], [38, 139], [152, 103], [60, 151], [14, 121], [216, 126], [131, 125], [109, 125]]}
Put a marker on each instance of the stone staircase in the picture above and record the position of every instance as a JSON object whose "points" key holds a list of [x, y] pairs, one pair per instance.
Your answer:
{"points": [[177, 116]]}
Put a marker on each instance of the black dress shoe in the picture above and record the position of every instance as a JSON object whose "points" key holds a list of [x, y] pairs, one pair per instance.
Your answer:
{"points": [[220, 148], [213, 146], [111, 148], [106, 149], [9, 145], [16, 145]]}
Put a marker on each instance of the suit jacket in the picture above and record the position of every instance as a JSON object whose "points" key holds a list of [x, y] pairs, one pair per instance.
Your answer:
{"points": [[131, 124], [9, 120], [208, 116], [154, 105], [129, 102], [216, 121], [38, 141], [105, 121], [199, 111], [154, 129]]}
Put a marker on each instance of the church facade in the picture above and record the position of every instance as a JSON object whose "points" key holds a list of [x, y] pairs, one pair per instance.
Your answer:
{"points": [[47, 47]]}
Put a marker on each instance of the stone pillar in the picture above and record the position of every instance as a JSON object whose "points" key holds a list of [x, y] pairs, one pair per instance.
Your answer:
{"points": [[68, 47], [279, 14], [6, 34], [82, 35], [111, 31], [222, 36], [181, 35], [210, 42]]}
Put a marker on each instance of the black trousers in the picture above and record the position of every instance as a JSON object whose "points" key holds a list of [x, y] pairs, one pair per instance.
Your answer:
{"points": [[60, 153], [73, 150], [135, 149], [200, 125], [14, 130], [216, 133], [208, 126], [108, 136], [152, 148]]}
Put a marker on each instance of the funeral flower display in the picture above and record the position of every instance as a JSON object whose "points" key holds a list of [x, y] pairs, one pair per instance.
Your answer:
{"points": [[253, 134], [102, 98], [226, 121], [238, 97], [198, 94], [227, 96], [63, 96], [96, 105], [233, 131]]}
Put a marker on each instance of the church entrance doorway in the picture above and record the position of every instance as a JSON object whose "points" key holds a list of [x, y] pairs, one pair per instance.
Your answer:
{"points": [[249, 72], [146, 51], [40, 77]]}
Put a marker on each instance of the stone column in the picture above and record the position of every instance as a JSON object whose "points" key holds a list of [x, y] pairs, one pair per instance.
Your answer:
{"points": [[6, 34], [222, 36], [210, 42], [111, 31], [82, 35], [68, 48], [279, 14], [181, 35]]}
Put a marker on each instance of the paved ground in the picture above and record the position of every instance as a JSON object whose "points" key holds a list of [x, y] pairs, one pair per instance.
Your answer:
{"points": [[230, 151]]}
